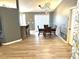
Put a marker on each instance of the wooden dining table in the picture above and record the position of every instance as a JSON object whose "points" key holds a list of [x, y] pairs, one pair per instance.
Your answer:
{"points": [[41, 30]]}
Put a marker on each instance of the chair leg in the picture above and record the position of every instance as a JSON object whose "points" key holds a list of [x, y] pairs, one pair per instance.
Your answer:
{"points": [[38, 33], [50, 34], [44, 34], [54, 32]]}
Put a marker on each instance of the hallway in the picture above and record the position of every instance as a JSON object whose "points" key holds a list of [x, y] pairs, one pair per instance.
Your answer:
{"points": [[37, 48]]}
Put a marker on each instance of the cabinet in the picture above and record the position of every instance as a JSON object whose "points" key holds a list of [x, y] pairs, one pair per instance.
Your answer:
{"points": [[25, 31]]}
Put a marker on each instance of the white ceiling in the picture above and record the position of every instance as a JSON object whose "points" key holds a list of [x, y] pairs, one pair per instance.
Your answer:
{"points": [[32, 5]]}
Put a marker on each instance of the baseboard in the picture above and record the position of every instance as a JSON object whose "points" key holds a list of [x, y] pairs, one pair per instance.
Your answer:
{"points": [[62, 39], [8, 43]]}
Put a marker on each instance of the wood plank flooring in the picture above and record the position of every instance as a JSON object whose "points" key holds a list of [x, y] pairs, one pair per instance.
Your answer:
{"points": [[37, 48]]}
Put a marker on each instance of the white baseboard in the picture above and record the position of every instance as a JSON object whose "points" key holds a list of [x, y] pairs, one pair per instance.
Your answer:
{"points": [[8, 43], [62, 39]]}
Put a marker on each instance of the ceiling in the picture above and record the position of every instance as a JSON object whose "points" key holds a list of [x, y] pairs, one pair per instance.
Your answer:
{"points": [[32, 5]]}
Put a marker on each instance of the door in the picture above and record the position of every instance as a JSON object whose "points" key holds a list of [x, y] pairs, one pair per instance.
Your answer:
{"points": [[69, 29]]}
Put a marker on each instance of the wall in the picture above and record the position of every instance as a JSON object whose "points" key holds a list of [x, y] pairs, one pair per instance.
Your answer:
{"points": [[30, 18], [0, 25], [8, 3], [61, 14], [51, 17], [10, 24]]}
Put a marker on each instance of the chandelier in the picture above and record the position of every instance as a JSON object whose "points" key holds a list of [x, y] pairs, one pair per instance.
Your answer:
{"points": [[45, 7]]}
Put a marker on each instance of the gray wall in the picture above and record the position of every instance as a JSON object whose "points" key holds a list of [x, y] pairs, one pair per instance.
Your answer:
{"points": [[10, 24], [0, 24], [51, 18], [30, 18], [62, 11]]}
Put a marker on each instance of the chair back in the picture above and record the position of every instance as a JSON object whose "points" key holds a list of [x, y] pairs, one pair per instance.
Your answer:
{"points": [[47, 29], [45, 26]]}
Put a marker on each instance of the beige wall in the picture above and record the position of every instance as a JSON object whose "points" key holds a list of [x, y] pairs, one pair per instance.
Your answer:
{"points": [[63, 8]]}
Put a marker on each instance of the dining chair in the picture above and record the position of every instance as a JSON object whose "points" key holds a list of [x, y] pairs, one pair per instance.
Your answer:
{"points": [[45, 26], [47, 32], [40, 30], [54, 27]]}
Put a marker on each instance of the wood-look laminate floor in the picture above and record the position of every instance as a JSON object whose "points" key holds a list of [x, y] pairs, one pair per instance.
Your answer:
{"points": [[35, 47]]}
